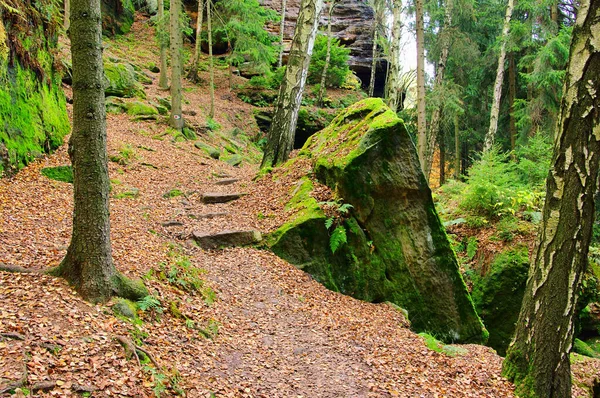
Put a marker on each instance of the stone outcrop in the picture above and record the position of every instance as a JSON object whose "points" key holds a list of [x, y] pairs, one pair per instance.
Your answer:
{"points": [[352, 24], [33, 114], [117, 16], [387, 244]]}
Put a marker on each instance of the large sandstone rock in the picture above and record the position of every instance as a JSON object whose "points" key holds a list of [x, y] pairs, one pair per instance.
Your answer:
{"points": [[33, 114], [397, 249], [117, 16]]}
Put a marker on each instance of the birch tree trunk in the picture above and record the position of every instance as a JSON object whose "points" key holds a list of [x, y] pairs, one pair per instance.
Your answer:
{"points": [[193, 73], [88, 265], [176, 119], [163, 81], [373, 62], [393, 78], [210, 60], [491, 134], [421, 116], [281, 32], [436, 115], [321, 93], [67, 15], [280, 139], [538, 358]]}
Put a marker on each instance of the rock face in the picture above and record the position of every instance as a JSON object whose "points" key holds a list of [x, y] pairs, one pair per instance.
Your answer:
{"points": [[117, 16], [396, 247], [33, 114], [352, 23]]}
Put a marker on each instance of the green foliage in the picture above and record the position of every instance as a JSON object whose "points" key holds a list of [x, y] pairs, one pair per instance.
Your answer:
{"points": [[338, 65], [149, 303], [337, 238], [211, 330], [472, 247], [125, 156], [59, 173], [173, 193], [212, 124], [435, 345], [179, 271], [534, 160], [130, 193]]}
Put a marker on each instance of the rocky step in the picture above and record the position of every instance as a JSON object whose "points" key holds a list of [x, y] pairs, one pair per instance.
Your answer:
{"points": [[217, 197], [227, 181], [208, 215], [227, 239]]}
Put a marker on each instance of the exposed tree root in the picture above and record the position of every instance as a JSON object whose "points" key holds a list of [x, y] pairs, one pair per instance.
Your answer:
{"points": [[17, 269], [131, 350]]}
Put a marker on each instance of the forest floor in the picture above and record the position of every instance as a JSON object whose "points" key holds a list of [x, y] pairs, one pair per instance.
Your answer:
{"points": [[258, 327]]}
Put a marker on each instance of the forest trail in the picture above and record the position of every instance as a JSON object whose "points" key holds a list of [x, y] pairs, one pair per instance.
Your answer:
{"points": [[271, 331]]}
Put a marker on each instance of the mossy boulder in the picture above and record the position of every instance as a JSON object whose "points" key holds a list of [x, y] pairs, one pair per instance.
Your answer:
{"points": [[121, 81], [138, 108], [395, 247], [498, 295], [33, 113], [117, 16], [210, 150]]}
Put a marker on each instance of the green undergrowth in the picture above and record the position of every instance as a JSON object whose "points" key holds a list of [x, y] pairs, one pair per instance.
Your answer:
{"points": [[59, 173], [435, 345]]}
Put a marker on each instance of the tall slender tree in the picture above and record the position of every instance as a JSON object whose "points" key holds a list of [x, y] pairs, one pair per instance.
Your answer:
{"points": [[281, 33], [211, 66], [421, 116], [280, 139], [323, 82], [176, 119], [193, 72], [67, 15], [393, 82], [436, 114], [163, 81], [538, 358], [495, 110], [88, 265]]}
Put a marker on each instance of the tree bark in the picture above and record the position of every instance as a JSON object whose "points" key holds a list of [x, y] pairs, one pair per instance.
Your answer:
{"points": [[280, 139], [321, 93], [393, 78], [88, 265], [456, 148], [436, 115], [421, 116], [373, 62], [67, 15], [163, 81], [512, 95], [176, 119], [495, 111], [193, 72], [538, 358], [442, 159], [210, 60], [281, 32]]}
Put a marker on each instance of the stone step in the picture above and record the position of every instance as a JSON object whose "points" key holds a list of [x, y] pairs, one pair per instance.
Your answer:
{"points": [[226, 239], [208, 215], [217, 197], [227, 181]]}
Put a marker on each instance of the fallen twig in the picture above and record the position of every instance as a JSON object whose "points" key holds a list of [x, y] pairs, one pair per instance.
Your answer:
{"points": [[13, 336], [16, 269]]}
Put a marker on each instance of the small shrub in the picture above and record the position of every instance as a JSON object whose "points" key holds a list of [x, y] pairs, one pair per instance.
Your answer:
{"points": [[212, 125], [125, 156], [338, 63]]}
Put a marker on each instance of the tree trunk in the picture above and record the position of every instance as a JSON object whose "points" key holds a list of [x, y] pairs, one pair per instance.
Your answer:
{"points": [[176, 119], [421, 116], [193, 73], [88, 265], [210, 60], [280, 139], [491, 134], [512, 94], [442, 159], [67, 15], [163, 81], [456, 149], [393, 78], [281, 32], [554, 11], [436, 115], [373, 62], [538, 358], [321, 93]]}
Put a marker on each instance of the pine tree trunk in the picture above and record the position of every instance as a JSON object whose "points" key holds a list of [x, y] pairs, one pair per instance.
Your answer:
{"points": [[163, 81], [176, 119], [373, 62], [554, 11], [393, 78], [280, 139], [512, 94], [88, 265], [421, 116], [538, 358], [281, 32], [495, 111], [456, 149], [67, 15], [321, 93], [442, 160], [210, 60], [193, 72], [436, 115]]}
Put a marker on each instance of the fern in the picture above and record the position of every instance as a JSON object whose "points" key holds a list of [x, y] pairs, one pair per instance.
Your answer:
{"points": [[148, 302], [345, 208], [338, 238], [329, 222]]}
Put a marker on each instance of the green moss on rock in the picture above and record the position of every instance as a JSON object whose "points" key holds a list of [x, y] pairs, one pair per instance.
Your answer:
{"points": [[59, 173], [140, 109], [121, 81], [117, 16], [397, 249]]}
